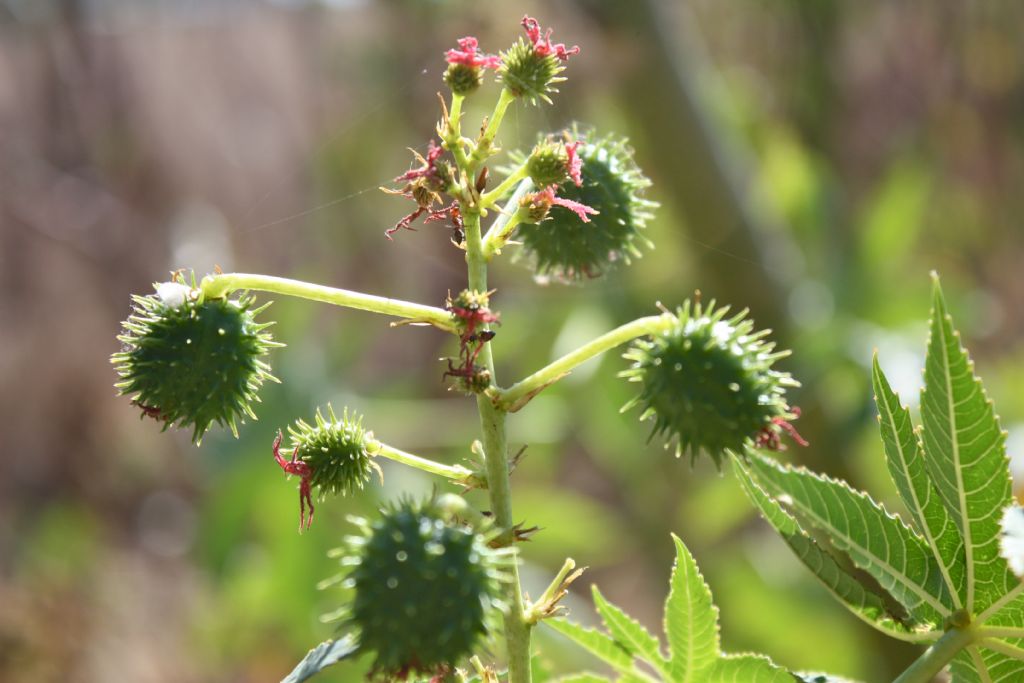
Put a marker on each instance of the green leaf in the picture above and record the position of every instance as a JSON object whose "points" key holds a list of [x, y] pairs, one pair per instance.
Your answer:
{"points": [[598, 644], [747, 669], [584, 677], [629, 633], [909, 471], [322, 656], [966, 456], [876, 541], [977, 665], [851, 592], [691, 620]]}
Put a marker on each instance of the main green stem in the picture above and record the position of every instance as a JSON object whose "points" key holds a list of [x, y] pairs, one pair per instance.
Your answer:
{"points": [[492, 422], [222, 284], [936, 657]]}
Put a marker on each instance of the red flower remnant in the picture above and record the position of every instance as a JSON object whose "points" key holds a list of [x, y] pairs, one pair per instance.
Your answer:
{"points": [[296, 466], [433, 153], [547, 196], [769, 437], [575, 162], [469, 54], [542, 44]]}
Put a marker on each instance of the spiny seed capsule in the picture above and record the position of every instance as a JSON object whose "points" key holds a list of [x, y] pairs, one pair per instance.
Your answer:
{"points": [[339, 452], [190, 361], [463, 79], [564, 247], [425, 588], [548, 164], [529, 73], [335, 456], [707, 382]]}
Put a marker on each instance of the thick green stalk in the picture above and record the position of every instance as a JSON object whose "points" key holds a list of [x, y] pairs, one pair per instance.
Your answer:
{"points": [[489, 199], [935, 658], [492, 422], [519, 393], [223, 284], [484, 145], [455, 473]]}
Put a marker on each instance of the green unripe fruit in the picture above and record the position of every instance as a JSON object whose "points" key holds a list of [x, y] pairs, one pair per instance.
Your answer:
{"points": [[529, 74], [548, 164], [191, 362], [425, 588], [339, 452], [564, 247], [707, 382], [463, 79]]}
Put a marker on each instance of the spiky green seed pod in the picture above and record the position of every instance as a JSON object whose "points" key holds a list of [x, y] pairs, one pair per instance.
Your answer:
{"points": [[191, 362], [339, 452], [425, 587], [707, 382], [548, 164], [529, 74], [463, 79], [564, 247]]}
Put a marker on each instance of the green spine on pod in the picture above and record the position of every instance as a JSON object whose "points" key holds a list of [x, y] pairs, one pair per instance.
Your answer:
{"points": [[707, 382], [192, 361]]}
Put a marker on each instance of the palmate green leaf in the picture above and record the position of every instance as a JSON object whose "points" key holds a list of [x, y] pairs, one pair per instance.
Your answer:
{"points": [[628, 632], [598, 644], [820, 678], [907, 467], [747, 669], [849, 590], [691, 620], [876, 541], [691, 624], [966, 457]]}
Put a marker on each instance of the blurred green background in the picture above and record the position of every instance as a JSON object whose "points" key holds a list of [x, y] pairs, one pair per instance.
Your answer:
{"points": [[814, 161]]}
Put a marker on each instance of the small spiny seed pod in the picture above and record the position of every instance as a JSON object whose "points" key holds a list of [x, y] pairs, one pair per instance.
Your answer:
{"points": [[463, 79], [548, 164], [528, 73], [339, 453], [707, 382], [566, 248], [192, 361], [425, 587]]}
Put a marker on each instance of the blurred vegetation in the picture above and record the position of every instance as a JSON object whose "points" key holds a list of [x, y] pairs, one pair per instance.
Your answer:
{"points": [[814, 161]]}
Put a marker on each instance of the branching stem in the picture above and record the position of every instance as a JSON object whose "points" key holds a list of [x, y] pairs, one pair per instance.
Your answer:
{"points": [[222, 284], [484, 145], [501, 229], [515, 396], [456, 473]]}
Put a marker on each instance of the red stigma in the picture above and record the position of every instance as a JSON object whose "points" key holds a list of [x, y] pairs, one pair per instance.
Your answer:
{"points": [[542, 44], [575, 162], [302, 469], [469, 55]]}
